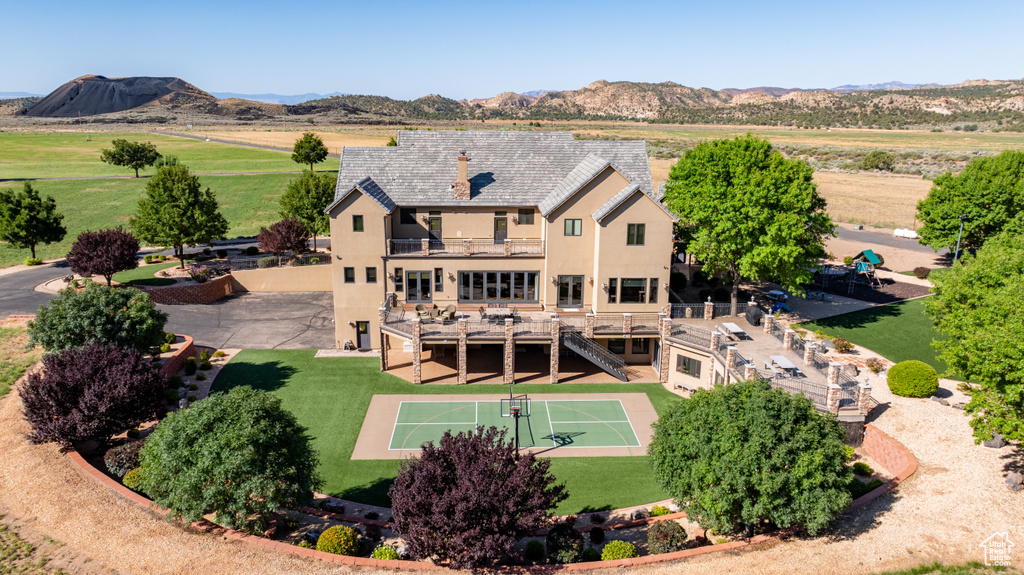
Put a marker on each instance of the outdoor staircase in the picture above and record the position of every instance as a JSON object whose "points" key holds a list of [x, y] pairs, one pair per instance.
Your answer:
{"points": [[596, 353]]}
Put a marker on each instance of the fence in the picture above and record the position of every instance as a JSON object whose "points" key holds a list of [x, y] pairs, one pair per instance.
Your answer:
{"points": [[645, 321], [678, 310], [819, 362], [778, 331], [738, 363], [261, 262], [532, 328], [798, 345], [692, 335], [722, 309], [608, 323], [572, 322], [816, 392], [463, 247]]}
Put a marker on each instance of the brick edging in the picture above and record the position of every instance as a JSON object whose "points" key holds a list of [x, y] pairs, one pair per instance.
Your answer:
{"points": [[899, 475]]}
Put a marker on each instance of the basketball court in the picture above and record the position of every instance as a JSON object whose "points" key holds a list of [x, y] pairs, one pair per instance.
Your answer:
{"points": [[566, 425]]}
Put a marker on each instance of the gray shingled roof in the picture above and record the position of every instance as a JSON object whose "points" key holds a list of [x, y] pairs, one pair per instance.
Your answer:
{"points": [[623, 195], [506, 169], [586, 170], [371, 189]]}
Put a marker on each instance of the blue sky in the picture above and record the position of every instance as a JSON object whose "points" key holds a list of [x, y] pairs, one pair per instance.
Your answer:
{"points": [[477, 49]]}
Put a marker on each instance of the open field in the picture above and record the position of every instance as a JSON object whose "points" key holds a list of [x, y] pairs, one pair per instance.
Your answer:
{"points": [[14, 358], [286, 139], [330, 396]]}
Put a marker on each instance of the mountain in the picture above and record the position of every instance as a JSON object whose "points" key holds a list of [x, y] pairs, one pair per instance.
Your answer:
{"points": [[13, 95], [770, 90], [535, 93], [90, 95], [275, 98], [894, 85]]}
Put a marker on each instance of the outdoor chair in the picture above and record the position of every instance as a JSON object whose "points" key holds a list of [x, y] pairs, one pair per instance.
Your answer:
{"points": [[448, 313], [422, 311]]}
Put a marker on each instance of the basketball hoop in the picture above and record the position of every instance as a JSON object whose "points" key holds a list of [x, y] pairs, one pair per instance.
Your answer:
{"points": [[516, 407]]}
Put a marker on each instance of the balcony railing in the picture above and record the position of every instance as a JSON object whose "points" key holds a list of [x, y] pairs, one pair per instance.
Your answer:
{"points": [[465, 247]]}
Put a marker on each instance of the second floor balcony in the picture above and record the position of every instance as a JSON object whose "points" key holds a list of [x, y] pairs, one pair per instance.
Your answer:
{"points": [[467, 247]]}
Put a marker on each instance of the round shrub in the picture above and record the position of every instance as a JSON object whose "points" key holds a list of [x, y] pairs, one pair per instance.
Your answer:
{"points": [[219, 353], [165, 347], [659, 510], [666, 537], [171, 395], [874, 364], [922, 272], [564, 543], [534, 550], [913, 378], [842, 345], [618, 550], [267, 262], [372, 532], [339, 540], [206, 251], [33, 262], [222, 254], [590, 554], [190, 365], [123, 458], [386, 552], [251, 250], [596, 535], [848, 452], [133, 479], [596, 519], [170, 338], [862, 469]]}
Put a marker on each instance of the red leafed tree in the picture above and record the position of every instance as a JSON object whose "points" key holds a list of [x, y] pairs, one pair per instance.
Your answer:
{"points": [[289, 234], [104, 253], [468, 499], [91, 393]]}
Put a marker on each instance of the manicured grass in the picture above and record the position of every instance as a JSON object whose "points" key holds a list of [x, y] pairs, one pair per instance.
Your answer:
{"points": [[145, 275], [14, 359], [899, 331], [330, 397]]}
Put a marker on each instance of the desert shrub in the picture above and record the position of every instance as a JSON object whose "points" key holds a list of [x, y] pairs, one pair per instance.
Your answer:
{"points": [[340, 540], [133, 479], [174, 381], [659, 510], [190, 365], [193, 387], [219, 353], [205, 365], [251, 251], [200, 274], [98, 314], [267, 262], [385, 552], [618, 550], [858, 488], [33, 261], [171, 395], [848, 260], [206, 251], [879, 160], [665, 537], [192, 398], [842, 345], [200, 376], [595, 518], [534, 550], [913, 378], [848, 452], [103, 253], [721, 295], [91, 393], [373, 532], [148, 258], [596, 535], [590, 554], [165, 347], [921, 272], [862, 469], [874, 364], [222, 254], [564, 543], [123, 458]]}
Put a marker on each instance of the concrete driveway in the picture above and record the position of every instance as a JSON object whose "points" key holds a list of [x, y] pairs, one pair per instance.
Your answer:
{"points": [[17, 290]]}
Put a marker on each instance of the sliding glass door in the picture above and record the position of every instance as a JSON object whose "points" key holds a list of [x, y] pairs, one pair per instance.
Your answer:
{"points": [[499, 287]]}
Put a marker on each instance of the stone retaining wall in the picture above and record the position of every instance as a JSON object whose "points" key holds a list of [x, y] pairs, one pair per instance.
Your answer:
{"points": [[207, 292], [892, 456], [173, 364]]}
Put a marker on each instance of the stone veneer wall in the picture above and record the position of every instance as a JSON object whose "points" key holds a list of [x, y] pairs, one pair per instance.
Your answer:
{"points": [[207, 292]]}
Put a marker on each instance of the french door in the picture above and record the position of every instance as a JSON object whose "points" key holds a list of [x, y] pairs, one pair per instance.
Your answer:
{"points": [[500, 230], [417, 285], [570, 291]]}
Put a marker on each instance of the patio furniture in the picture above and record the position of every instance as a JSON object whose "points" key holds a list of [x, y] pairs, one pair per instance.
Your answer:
{"points": [[448, 313], [776, 295], [768, 365], [783, 363], [735, 330]]}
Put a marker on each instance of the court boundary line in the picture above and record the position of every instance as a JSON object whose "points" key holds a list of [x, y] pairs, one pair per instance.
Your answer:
{"points": [[551, 426], [596, 420], [418, 425]]}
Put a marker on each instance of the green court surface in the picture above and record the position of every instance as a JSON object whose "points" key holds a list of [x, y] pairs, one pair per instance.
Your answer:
{"points": [[562, 423]]}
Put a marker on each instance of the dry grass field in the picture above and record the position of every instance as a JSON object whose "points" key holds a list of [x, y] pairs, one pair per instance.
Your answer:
{"points": [[286, 139]]}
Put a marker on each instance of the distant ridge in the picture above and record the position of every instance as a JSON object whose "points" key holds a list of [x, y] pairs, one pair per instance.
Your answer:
{"points": [[894, 85], [90, 95], [276, 98], [535, 93], [770, 90], [13, 95]]}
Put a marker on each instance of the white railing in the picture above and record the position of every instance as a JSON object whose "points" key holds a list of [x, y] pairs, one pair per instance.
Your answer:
{"points": [[467, 247]]}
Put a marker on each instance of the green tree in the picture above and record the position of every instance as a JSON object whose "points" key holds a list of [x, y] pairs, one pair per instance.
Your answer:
{"points": [[878, 160], [27, 220], [990, 192], [237, 455], [744, 453], [133, 155], [177, 212], [309, 149], [392, 142], [748, 212], [306, 199], [977, 307]]}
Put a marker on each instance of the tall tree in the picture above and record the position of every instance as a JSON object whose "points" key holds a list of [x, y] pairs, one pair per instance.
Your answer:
{"points": [[743, 453], [176, 211], [133, 155], [990, 192], [306, 199], [27, 220], [977, 307], [309, 149], [750, 213], [105, 252]]}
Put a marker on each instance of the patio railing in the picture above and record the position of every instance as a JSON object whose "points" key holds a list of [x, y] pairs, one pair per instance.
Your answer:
{"points": [[678, 310], [272, 261], [415, 247], [692, 335], [816, 392]]}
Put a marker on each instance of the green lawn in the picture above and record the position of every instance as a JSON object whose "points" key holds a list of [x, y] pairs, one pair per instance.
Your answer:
{"points": [[14, 358], [899, 331], [330, 397], [145, 275]]}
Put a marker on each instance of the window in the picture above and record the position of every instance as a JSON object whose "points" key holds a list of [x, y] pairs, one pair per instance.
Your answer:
{"points": [[438, 279], [641, 345], [635, 234], [399, 279], [687, 366], [515, 286], [573, 227], [407, 216], [634, 290], [526, 217], [652, 295], [371, 275], [350, 275], [613, 289], [617, 346], [357, 223], [500, 213]]}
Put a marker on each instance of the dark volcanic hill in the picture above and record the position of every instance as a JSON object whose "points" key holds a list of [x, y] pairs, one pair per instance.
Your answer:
{"points": [[90, 95]]}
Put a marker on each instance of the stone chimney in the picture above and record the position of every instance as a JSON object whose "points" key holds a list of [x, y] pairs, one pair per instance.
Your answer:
{"points": [[461, 186]]}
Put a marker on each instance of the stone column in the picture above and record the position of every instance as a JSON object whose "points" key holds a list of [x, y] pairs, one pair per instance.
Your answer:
{"points": [[749, 372], [425, 247], [709, 309], [864, 398], [556, 327], [383, 340], [467, 248], [510, 352], [665, 330], [832, 398], [833, 372], [417, 350], [769, 321], [461, 359], [809, 348], [627, 324], [730, 357], [787, 339], [715, 338], [508, 247], [588, 325]]}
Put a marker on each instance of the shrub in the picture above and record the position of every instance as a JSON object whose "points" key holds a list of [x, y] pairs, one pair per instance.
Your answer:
{"points": [[222, 254], [133, 480], [596, 519], [171, 395], [373, 532], [913, 378], [199, 274], [98, 314], [371, 515], [590, 554], [204, 355], [174, 381], [148, 258], [921, 272], [879, 160], [659, 510], [618, 550], [165, 347], [206, 251], [848, 452], [564, 543], [596, 535], [133, 434], [123, 458], [534, 550], [721, 295], [91, 393], [170, 338], [384, 552], [842, 345], [193, 387], [219, 353], [862, 469], [848, 260], [703, 295], [238, 455], [287, 235], [666, 537], [858, 488], [30, 261], [251, 251], [267, 262], [677, 281], [192, 398], [874, 364], [340, 540], [205, 365], [103, 253], [200, 376], [190, 365]]}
